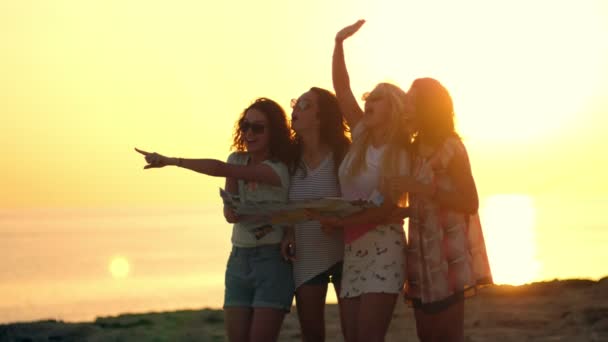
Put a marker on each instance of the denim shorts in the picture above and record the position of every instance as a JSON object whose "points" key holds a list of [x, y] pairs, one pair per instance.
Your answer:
{"points": [[258, 277], [331, 275]]}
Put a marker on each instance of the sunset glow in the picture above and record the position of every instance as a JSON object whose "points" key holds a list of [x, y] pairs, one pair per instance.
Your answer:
{"points": [[509, 221], [119, 267], [84, 82], [520, 73]]}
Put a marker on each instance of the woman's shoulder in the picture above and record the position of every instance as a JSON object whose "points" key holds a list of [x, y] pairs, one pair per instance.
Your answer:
{"points": [[276, 163], [452, 147], [454, 144], [280, 168], [238, 157]]}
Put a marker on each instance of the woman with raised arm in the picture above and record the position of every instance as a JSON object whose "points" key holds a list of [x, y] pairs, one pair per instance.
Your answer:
{"points": [[373, 272], [259, 281], [321, 143], [446, 258]]}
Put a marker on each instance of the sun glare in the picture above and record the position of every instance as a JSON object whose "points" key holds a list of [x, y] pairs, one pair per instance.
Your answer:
{"points": [[518, 71], [509, 222], [119, 267]]}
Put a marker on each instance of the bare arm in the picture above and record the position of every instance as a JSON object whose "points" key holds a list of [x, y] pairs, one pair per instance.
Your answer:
{"points": [[463, 198], [255, 173], [346, 99], [232, 187]]}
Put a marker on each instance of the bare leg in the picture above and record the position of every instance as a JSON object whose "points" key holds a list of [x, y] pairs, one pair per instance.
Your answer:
{"points": [[447, 325], [350, 313], [424, 326], [310, 301], [451, 321], [341, 309], [375, 314], [266, 324], [237, 323]]}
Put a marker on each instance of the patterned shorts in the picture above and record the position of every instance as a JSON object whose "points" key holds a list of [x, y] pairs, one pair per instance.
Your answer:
{"points": [[375, 262]]}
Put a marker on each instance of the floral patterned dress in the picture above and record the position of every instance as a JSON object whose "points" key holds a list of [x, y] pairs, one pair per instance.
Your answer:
{"points": [[446, 255]]}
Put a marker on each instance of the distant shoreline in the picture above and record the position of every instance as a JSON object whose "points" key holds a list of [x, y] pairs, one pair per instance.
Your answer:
{"points": [[571, 309]]}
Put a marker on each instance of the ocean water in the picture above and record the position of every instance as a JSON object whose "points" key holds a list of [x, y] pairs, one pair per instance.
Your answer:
{"points": [[58, 263], [76, 264]]}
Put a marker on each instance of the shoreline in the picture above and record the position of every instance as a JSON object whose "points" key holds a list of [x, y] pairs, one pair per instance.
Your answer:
{"points": [[571, 309]]}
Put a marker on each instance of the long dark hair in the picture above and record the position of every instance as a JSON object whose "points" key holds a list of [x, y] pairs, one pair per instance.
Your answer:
{"points": [[333, 128], [434, 110], [280, 142]]}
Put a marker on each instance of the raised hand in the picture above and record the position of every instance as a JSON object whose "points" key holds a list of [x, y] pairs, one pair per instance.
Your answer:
{"points": [[349, 30], [154, 159]]}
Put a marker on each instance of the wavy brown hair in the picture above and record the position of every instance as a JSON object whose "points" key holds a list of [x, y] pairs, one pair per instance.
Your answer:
{"points": [[434, 110], [280, 141], [333, 128]]}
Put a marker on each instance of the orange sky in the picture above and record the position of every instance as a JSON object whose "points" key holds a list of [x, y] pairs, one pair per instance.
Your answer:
{"points": [[84, 82]]}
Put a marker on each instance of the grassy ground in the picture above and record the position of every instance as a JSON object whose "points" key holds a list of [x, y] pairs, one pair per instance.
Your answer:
{"points": [[568, 310]]}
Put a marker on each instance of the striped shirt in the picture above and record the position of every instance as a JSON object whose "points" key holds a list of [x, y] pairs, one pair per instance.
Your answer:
{"points": [[315, 251]]}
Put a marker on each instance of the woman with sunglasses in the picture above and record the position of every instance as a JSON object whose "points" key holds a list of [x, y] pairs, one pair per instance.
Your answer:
{"points": [[321, 142], [373, 271], [447, 257], [259, 282]]}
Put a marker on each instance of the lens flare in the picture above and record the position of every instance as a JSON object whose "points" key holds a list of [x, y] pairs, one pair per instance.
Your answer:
{"points": [[119, 267], [509, 224]]}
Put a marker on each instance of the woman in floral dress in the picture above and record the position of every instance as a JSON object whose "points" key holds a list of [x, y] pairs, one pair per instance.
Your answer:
{"points": [[446, 255]]}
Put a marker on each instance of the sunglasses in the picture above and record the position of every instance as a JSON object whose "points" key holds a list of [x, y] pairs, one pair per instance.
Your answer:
{"points": [[300, 104], [256, 128]]}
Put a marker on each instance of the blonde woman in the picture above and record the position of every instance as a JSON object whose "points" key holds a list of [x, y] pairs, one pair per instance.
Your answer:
{"points": [[374, 258]]}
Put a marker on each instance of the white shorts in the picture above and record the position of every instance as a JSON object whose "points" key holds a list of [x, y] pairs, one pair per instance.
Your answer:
{"points": [[375, 262]]}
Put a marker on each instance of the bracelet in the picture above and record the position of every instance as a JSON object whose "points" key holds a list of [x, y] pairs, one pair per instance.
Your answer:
{"points": [[180, 161]]}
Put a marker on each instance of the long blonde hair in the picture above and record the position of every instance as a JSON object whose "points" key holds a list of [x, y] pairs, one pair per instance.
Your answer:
{"points": [[398, 140]]}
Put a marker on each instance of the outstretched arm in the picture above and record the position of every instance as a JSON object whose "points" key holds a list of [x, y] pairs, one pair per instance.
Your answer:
{"points": [[232, 187], [213, 167], [346, 99]]}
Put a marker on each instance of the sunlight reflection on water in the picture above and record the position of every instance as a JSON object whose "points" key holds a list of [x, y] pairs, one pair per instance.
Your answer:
{"points": [[509, 222]]}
